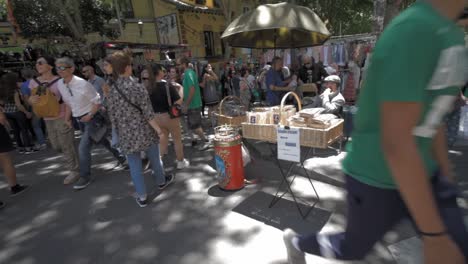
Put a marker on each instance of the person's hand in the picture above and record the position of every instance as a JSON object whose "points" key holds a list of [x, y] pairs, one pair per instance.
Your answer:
{"points": [[86, 118], [28, 115], [69, 123], [33, 99], [441, 249], [184, 108], [160, 133]]}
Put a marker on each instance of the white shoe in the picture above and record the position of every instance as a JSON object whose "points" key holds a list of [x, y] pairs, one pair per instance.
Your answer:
{"points": [[182, 164], [294, 256]]}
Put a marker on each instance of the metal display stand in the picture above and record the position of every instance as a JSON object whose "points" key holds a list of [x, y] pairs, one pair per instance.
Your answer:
{"points": [[286, 173]]}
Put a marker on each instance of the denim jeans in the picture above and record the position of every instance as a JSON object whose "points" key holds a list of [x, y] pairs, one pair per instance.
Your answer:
{"points": [[37, 127], [136, 169], [84, 150]]}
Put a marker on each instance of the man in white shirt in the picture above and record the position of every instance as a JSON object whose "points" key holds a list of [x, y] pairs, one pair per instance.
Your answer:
{"points": [[83, 102]]}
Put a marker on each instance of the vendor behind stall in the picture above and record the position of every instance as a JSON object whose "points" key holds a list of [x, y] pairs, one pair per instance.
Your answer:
{"points": [[331, 99], [275, 83]]}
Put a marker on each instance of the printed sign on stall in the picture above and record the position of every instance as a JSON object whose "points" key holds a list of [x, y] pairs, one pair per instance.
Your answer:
{"points": [[289, 147]]}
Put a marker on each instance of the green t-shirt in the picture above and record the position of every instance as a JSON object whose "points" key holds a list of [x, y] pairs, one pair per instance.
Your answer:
{"points": [[420, 57], [191, 80]]}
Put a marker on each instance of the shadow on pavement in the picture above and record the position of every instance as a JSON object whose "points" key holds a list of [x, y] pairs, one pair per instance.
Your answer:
{"points": [[284, 214]]}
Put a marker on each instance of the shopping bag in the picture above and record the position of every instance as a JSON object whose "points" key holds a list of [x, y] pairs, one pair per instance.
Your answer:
{"points": [[245, 155], [464, 122]]}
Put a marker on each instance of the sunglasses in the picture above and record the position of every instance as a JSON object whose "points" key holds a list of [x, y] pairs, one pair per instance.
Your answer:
{"points": [[145, 79], [62, 68], [41, 63]]}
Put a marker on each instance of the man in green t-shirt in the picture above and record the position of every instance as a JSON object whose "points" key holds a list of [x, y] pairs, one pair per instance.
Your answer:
{"points": [[397, 164], [192, 101]]}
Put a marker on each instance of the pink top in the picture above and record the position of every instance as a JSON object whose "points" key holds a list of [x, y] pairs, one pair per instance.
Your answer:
{"points": [[54, 88]]}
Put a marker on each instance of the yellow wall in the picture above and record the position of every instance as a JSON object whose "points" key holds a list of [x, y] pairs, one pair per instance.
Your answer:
{"points": [[195, 24], [142, 8]]}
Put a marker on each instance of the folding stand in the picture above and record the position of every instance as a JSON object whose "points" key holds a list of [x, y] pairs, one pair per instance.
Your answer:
{"points": [[274, 151]]}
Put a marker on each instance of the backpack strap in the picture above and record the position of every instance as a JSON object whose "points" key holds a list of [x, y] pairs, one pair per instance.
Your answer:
{"points": [[52, 82]]}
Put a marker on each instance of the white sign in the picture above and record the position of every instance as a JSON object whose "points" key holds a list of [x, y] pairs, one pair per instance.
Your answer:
{"points": [[289, 147]]}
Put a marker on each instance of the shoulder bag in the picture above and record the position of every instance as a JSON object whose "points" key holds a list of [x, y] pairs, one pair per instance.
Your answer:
{"points": [[175, 111]]}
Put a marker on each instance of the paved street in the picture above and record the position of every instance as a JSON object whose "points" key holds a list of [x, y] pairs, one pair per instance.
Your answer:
{"points": [[191, 222]]}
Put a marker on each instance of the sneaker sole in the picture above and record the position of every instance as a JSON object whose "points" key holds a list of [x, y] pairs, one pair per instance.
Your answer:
{"points": [[165, 186], [142, 205], [18, 193], [81, 187]]}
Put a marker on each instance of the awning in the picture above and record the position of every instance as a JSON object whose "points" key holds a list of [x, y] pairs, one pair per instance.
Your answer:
{"points": [[11, 49]]}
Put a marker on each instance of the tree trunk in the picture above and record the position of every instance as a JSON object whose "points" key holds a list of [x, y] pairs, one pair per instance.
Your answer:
{"points": [[379, 16], [391, 11], [71, 23]]}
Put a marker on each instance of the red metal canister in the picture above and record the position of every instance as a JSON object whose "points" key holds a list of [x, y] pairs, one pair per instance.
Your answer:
{"points": [[228, 158]]}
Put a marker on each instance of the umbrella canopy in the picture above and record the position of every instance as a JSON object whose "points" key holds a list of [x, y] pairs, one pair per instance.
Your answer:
{"points": [[280, 25]]}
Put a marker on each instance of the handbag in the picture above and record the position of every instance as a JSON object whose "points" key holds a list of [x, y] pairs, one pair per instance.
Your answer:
{"points": [[175, 110], [100, 126]]}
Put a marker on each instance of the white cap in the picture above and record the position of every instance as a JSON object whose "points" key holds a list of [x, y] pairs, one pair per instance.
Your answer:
{"points": [[333, 78]]}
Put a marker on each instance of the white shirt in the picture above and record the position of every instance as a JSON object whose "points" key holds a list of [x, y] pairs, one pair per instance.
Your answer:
{"points": [[79, 95]]}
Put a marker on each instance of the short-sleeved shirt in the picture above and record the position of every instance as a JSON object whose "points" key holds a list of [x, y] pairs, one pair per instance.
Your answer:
{"points": [[427, 53], [80, 95], [159, 98], [191, 80], [54, 88], [135, 133], [98, 82], [274, 78], [25, 88]]}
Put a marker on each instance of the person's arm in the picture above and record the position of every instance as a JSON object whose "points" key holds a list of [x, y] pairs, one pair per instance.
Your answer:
{"points": [[398, 119], [3, 118], [68, 116], [21, 107], [440, 152], [93, 96], [213, 76], [332, 106]]}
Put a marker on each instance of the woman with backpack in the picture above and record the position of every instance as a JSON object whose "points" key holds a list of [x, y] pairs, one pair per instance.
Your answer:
{"points": [[46, 102], [16, 113], [211, 94]]}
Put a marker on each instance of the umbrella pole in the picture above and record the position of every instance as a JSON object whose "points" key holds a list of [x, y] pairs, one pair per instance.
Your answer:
{"points": [[274, 47]]}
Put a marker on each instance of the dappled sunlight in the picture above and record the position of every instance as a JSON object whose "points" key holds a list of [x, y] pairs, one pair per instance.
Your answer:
{"points": [[144, 252], [264, 18], [100, 225], [18, 232], [45, 218]]}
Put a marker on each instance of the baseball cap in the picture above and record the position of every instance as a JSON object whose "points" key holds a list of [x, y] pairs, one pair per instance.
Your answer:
{"points": [[333, 78]]}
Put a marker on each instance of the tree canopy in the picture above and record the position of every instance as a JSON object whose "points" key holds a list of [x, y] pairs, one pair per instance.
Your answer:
{"points": [[72, 18]]}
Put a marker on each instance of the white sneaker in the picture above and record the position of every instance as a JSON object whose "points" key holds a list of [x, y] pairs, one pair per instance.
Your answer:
{"points": [[294, 256], [182, 164]]}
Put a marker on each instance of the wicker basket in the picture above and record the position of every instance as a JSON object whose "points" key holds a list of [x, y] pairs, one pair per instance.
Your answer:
{"points": [[229, 120], [310, 137]]}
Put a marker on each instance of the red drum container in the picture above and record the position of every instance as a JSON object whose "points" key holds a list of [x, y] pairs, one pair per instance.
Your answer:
{"points": [[228, 158]]}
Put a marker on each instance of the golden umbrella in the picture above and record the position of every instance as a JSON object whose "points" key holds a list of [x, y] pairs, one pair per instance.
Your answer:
{"points": [[273, 26]]}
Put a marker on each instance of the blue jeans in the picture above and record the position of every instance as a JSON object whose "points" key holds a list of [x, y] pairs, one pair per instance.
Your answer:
{"points": [[373, 211], [84, 150], [136, 170], [37, 127]]}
